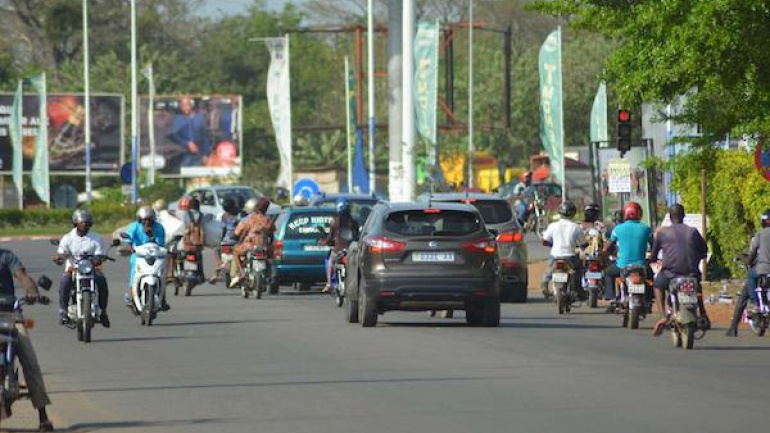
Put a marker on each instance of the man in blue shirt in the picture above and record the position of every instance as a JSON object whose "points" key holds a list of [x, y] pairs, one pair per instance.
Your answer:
{"points": [[145, 229], [190, 131], [632, 238]]}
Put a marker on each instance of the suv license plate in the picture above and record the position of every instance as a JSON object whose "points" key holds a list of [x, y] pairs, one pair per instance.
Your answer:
{"points": [[560, 277], [636, 289], [317, 248], [433, 257]]}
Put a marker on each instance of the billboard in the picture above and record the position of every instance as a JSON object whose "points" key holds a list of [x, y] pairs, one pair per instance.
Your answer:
{"points": [[66, 144], [195, 136], [622, 180]]}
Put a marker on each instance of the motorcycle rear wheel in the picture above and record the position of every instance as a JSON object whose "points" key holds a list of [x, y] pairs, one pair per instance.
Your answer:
{"points": [[593, 298], [624, 318], [635, 318], [757, 325], [676, 337], [561, 300], [260, 285], [688, 337], [188, 287]]}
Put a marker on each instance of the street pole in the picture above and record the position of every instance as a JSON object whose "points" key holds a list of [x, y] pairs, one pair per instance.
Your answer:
{"points": [[471, 148], [151, 124], [370, 73], [347, 124], [561, 116], [134, 125], [288, 121], [87, 101], [408, 100], [396, 105]]}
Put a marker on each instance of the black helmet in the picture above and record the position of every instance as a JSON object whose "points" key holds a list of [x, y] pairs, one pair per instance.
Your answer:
{"points": [[195, 204], [343, 205], [591, 213], [764, 220], [229, 206], [567, 209]]}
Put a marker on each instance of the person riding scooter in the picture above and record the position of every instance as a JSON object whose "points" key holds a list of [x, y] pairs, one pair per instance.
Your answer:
{"points": [[78, 242], [564, 237], [254, 231], [145, 229], [193, 239], [632, 239], [342, 221]]}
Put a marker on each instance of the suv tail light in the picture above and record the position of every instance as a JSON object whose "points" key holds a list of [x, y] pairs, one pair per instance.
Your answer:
{"points": [[278, 249], [510, 237], [485, 245], [381, 244]]}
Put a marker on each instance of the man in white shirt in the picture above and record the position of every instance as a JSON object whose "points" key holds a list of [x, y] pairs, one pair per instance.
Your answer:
{"points": [[564, 237], [79, 242]]}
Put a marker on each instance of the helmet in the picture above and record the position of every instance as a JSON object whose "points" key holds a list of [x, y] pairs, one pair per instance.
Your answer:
{"points": [[159, 205], [591, 212], [262, 205], [567, 209], [184, 203], [82, 216], [195, 204], [343, 206], [145, 212], [300, 200], [229, 206], [250, 206], [632, 211], [764, 220]]}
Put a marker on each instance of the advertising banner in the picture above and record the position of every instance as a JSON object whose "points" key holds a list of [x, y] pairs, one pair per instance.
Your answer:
{"points": [[195, 136], [626, 174], [66, 137], [551, 103], [279, 102], [599, 115], [41, 181]]}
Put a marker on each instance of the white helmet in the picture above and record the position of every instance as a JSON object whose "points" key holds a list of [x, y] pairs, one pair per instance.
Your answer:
{"points": [[144, 213], [82, 216], [250, 206], [300, 200]]}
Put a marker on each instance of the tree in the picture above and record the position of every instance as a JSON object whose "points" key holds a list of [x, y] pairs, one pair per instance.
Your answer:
{"points": [[668, 48]]}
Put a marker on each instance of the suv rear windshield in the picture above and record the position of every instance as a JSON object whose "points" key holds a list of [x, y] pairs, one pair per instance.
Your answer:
{"points": [[306, 224], [493, 211], [442, 223], [359, 208]]}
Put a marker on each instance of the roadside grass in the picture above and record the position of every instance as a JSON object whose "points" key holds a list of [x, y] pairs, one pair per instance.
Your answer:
{"points": [[53, 231]]}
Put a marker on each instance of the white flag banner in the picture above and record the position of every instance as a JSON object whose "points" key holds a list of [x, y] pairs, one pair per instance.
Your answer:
{"points": [[279, 102]]}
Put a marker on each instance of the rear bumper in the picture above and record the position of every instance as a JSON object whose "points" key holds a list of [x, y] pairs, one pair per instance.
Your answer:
{"points": [[285, 273], [429, 293]]}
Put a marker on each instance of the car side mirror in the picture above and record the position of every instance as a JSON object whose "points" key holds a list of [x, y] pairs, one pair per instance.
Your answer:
{"points": [[176, 238], [115, 242], [54, 241], [123, 235]]}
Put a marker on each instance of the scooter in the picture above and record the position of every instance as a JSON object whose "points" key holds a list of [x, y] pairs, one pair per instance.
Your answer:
{"points": [[338, 278], [562, 282], [226, 260], [256, 273], [83, 309], [687, 323], [594, 275], [11, 315], [190, 275], [632, 286], [149, 280]]}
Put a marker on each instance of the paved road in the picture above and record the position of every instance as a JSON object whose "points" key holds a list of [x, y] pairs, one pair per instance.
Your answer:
{"points": [[289, 364]]}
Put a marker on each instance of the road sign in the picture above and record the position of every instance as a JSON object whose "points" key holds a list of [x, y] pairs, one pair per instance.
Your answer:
{"points": [[305, 187], [619, 176], [125, 173]]}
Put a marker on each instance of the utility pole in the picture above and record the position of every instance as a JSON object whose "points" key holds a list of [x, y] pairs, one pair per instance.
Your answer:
{"points": [[408, 101]]}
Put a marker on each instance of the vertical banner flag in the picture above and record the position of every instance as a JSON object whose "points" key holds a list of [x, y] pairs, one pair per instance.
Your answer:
{"points": [[16, 141], [40, 178], [551, 103], [360, 176], [279, 102], [426, 88], [599, 115]]}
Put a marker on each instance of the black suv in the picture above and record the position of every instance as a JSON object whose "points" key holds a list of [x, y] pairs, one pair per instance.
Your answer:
{"points": [[423, 257]]}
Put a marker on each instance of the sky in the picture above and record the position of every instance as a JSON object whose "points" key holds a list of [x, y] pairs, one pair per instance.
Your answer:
{"points": [[238, 6]]}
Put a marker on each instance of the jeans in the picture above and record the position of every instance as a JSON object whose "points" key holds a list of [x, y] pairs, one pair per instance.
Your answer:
{"points": [[743, 300], [610, 275], [67, 285]]}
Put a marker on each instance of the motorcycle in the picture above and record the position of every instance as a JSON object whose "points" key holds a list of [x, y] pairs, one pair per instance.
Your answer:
{"points": [[537, 217], [757, 314], [11, 315], [149, 278], [686, 322], [592, 263], [632, 286], [256, 273], [189, 275], [226, 259], [83, 309], [562, 282], [338, 278]]}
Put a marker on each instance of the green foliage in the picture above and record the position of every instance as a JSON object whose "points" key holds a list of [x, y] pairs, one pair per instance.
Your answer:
{"points": [[737, 194], [107, 214]]}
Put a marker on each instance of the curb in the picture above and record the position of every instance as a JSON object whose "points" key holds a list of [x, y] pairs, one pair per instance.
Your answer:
{"points": [[24, 238]]}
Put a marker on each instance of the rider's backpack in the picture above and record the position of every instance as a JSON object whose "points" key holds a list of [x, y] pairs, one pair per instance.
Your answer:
{"points": [[193, 233]]}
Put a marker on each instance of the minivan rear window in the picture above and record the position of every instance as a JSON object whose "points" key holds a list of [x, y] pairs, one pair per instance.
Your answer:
{"points": [[306, 224], [493, 211], [439, 223]]}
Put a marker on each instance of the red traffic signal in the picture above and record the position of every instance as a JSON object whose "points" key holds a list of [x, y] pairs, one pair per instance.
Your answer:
{"points": [[624, 116]]}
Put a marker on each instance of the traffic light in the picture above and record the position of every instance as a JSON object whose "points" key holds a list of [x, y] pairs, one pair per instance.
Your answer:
{"points": [[624, 131]]}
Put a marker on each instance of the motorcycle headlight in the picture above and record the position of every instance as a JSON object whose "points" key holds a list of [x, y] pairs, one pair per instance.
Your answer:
{"points": [[85, 267]]}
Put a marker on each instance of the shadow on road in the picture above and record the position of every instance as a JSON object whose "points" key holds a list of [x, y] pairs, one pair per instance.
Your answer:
{"points": [[124, 339], [566, 325], [215, 322], [729, 348], [88, 427]]}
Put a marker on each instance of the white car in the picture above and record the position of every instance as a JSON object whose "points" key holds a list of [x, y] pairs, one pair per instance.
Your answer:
{"points": [[210, 198]]}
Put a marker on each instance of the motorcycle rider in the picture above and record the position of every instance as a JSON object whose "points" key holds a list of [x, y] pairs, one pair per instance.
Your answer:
{"points": [[759, 264], [193, 233], [145, 229], [592, 220], [564, 237], [230, 220], [78, 242], [631, 238], [683, 248], [10, 267], [343, 220], [252, 232]]}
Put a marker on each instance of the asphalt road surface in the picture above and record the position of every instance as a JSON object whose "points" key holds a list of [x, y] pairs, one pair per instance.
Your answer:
{"points": [[289, 364]]}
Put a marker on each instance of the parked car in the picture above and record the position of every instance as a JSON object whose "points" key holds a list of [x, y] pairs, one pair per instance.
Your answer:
{"points": [[423, 257], [211, 198], [511, 248], [360, 205], [297, 256]]}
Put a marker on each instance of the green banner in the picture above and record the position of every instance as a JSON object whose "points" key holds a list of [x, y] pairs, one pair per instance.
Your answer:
{"points": [[352, 104], [426, 79], [17, 142], [599, 115], [551, 126], [40, 177]]}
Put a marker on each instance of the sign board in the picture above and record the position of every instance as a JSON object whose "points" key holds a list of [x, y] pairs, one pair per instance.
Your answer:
{"points": [[619, 176], [306, 188], [639, 190]]}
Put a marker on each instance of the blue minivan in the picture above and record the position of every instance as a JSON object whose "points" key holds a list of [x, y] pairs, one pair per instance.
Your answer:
{"points": [[298, 258]]}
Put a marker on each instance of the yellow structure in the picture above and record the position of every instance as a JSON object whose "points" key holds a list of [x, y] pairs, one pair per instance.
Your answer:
{"points": [[485, 170]]}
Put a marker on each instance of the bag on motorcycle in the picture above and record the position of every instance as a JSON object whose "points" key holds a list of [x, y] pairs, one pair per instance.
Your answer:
{"points": [[193, 233]]}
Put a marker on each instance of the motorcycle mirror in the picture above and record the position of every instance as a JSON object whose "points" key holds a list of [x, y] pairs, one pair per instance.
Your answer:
{"points": [[123, 235], [44, 282], [176, 238], [115, 242], [54, 241]]}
